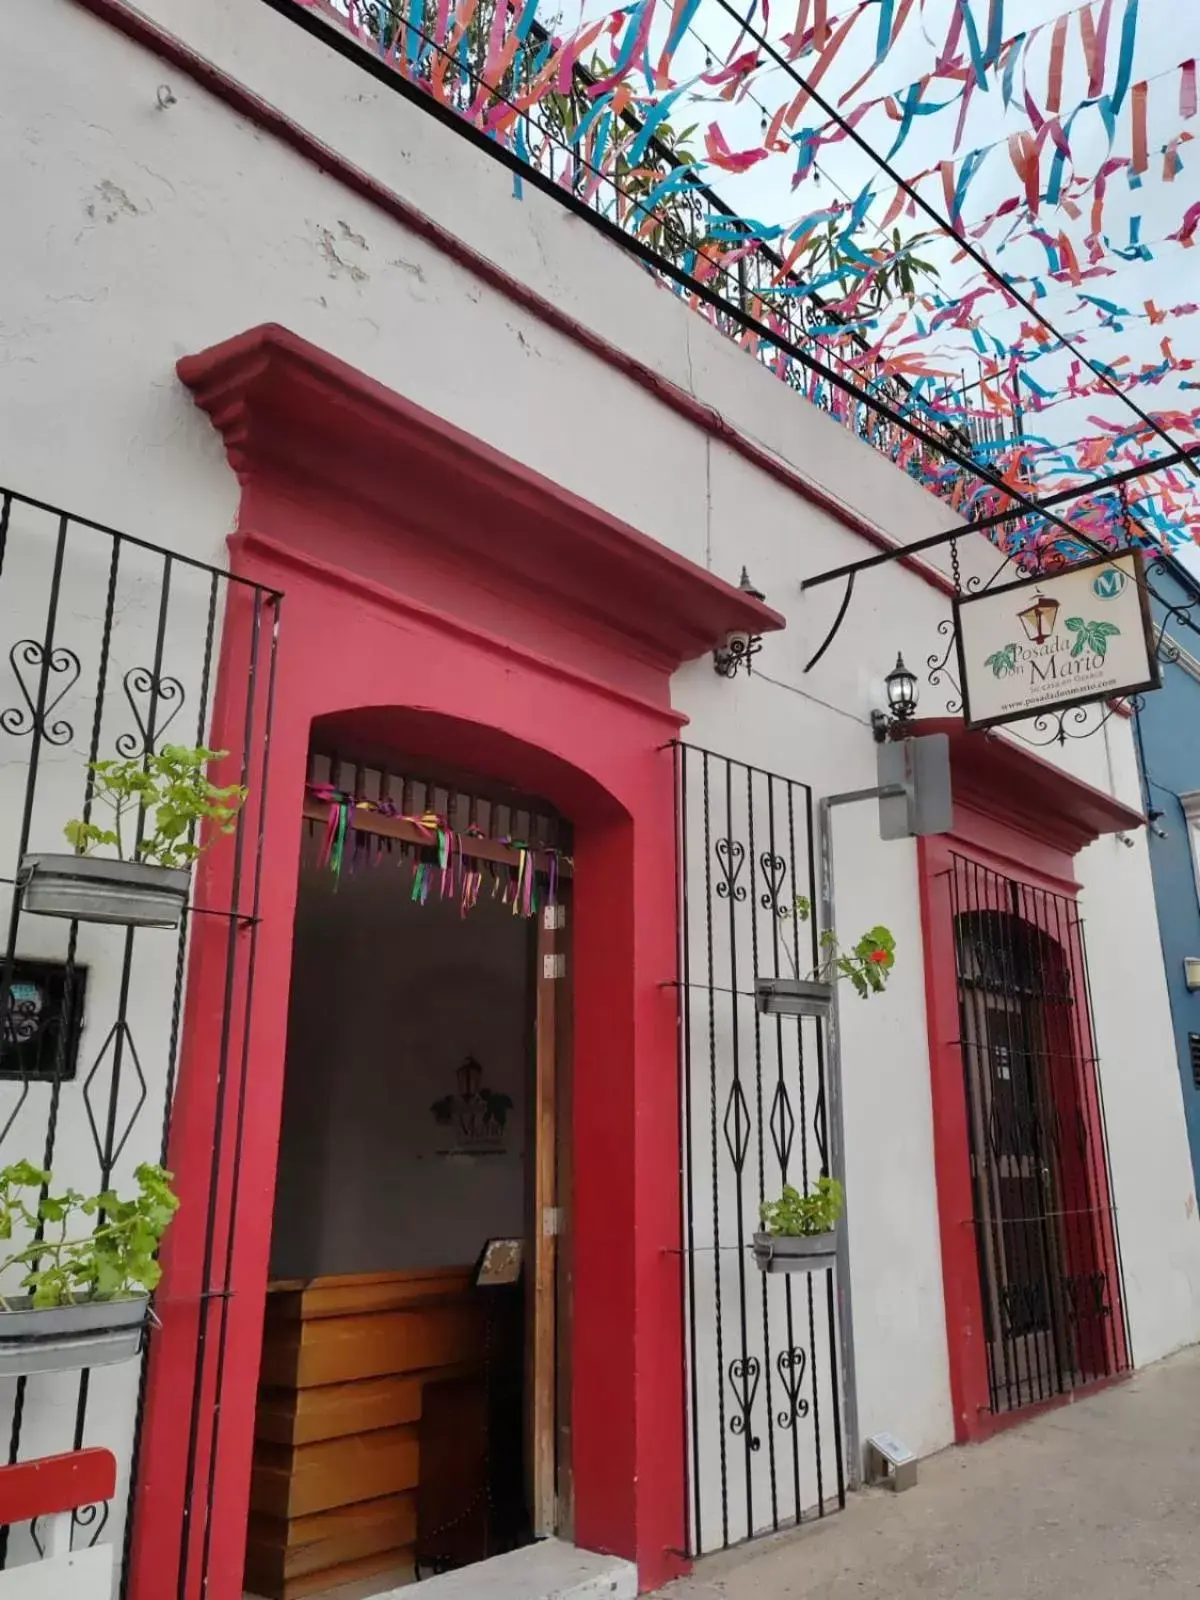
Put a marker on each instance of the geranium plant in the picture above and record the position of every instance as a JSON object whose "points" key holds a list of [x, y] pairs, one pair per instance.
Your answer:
{"points": [[83, 1248], [866, 964], [795, 1215], [171, 789]]}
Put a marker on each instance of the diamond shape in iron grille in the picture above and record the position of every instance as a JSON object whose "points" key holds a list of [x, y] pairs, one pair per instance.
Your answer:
{"points": [[783, 1125], [737, 1137], [818, 1126], [129, 1057]]}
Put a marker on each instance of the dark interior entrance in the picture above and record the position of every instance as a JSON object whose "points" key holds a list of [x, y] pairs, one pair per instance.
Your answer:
{"points": [[409, 1420], [1038, 1171]]}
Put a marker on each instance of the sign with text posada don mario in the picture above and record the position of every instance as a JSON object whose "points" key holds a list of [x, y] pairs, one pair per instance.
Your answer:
{"points": [[1043, 644]]}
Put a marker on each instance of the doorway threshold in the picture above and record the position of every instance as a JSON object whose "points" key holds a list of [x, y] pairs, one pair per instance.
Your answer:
{"points": [[548, 1570]]}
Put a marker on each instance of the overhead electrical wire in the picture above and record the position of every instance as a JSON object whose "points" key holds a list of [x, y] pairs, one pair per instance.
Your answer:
{"points": [[346, 45], [946, 225]]}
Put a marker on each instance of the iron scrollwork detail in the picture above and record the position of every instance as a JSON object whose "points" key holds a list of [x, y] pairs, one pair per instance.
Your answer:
{"points": [[938, 665], [60, 663], [774, 871], [1087, 1296], [791, 1365], [744, 1373], [1056, 727], [731, 857], [93, 1517], [143, 685]]}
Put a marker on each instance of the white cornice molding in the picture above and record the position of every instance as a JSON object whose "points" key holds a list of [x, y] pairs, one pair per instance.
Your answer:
{"points": [[1171, 653]]}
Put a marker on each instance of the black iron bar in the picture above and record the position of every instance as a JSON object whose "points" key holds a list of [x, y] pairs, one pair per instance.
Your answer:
{"points": [[1003, 1130], [110, 1150], [988, 891], [216, 1164], [225, 1292], [970, 1007], [1067, 1244], [762, 1152], [996, 519], [88, 801], [745, 1394], [715, 1174], [787, 1134], [809, 1287], [687, 1175], [131, 539], [14, 916], [1037, 1249]]}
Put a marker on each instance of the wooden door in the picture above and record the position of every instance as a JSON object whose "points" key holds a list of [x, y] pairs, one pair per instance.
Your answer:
{"points": [[546, 1225]]}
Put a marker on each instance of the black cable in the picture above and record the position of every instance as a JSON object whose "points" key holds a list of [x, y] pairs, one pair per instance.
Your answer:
{"points": [[348, 46], [345, 44], [947, 226]]}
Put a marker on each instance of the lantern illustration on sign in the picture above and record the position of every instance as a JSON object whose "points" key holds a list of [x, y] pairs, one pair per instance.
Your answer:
{"points": [[1038, 619]]}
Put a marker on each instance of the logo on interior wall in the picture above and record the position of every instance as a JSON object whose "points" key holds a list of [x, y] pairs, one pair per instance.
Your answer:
{"points": [[475, 1117]]}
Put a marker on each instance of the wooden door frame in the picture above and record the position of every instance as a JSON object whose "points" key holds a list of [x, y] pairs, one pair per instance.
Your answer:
{"points": [[547, 1329]]}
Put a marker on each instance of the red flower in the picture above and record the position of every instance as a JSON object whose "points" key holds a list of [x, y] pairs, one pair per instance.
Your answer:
{"points": [[880, 957]]}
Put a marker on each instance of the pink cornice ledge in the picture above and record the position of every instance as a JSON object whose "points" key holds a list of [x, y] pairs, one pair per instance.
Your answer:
{"points": [[293, 415]]}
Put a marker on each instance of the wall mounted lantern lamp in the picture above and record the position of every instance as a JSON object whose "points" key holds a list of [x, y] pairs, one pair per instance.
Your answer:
{"points": [[739, 647], [1191, 972], [901, 686]]}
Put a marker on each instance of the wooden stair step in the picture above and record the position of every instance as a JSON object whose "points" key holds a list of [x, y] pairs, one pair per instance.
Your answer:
{"points": [[304, 1300], [341, 1349], [278, 1549], [295, 1482], [397, 1562]]}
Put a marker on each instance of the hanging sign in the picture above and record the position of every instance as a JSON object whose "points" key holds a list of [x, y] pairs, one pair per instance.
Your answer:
{"points": [[1043, 644]]}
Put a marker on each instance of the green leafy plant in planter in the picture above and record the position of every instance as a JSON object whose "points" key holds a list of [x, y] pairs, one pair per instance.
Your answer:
{"points": [[171, 786], [83, 1248], [803, 1216], [166, 812], [866, 965]]}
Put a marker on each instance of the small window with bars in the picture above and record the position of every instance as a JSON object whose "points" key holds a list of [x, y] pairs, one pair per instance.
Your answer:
{"points": [[1194, 1053]]}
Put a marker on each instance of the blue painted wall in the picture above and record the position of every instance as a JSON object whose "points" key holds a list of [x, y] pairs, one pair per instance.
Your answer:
{"points": [[1169, 750]]}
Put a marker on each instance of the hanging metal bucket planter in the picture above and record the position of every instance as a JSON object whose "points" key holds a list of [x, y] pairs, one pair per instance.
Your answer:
{"points": [[809, 1252], [95, 889], [793, 997], [93, 1333]]}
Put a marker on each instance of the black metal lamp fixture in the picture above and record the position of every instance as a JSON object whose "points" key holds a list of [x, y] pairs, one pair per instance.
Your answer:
{"points": [[901, 686], [739, 647]]}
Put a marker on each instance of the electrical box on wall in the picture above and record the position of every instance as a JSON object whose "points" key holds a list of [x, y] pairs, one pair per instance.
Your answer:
{"points": [[890, 1462], [922, 766]]}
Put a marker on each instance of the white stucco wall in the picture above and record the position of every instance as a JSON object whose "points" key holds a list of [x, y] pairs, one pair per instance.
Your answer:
{"points": [[145, 234]]}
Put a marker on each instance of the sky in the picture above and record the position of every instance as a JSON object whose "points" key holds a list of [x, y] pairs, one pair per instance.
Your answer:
{"points": [[1146, 212]]}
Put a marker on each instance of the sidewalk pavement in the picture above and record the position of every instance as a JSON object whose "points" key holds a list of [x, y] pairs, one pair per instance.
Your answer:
{"points": [[1100, 1499]]}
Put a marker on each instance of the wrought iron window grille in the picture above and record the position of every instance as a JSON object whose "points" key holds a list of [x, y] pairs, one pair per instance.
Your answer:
{"points": [[1045, 1226], [111, 644], [764, 1442]]}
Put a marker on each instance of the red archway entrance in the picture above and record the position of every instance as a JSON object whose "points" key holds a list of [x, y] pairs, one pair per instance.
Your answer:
{"points": [[1030, 1258], [505, 626]]}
